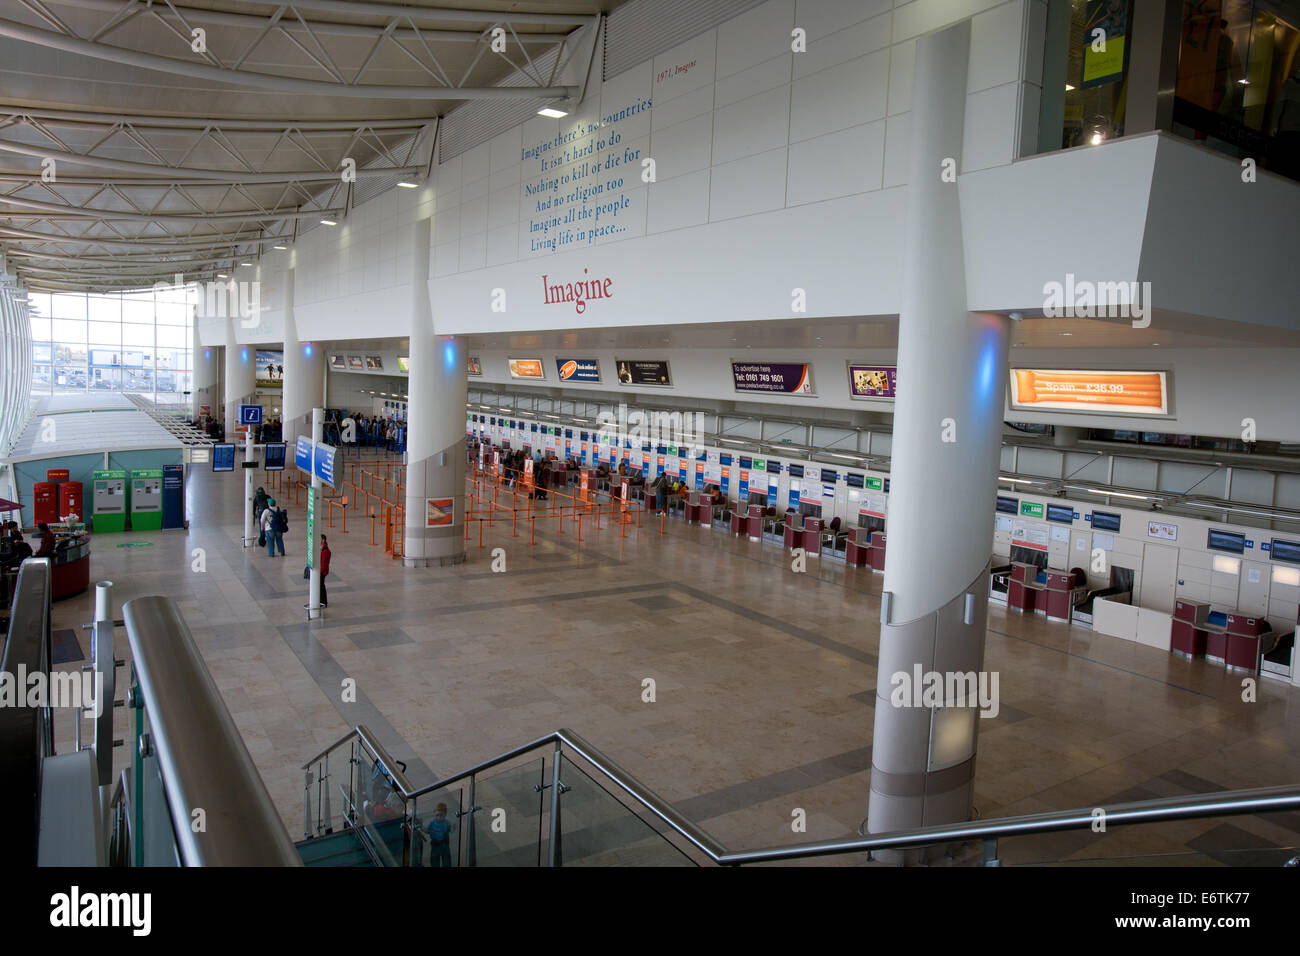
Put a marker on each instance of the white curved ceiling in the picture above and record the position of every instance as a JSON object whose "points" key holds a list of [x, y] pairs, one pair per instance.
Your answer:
{"points": [[133, 147]]}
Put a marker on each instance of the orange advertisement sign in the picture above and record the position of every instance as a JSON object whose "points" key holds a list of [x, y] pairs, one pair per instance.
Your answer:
{"points": [[526, 368], [1099, 392]]}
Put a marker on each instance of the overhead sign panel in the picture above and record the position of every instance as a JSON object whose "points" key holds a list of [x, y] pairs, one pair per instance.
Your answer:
{"points": [[302, 454], [1092, 391]]}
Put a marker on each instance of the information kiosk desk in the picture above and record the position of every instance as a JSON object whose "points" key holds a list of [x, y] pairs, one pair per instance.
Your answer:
{"points": [[70, 571]]}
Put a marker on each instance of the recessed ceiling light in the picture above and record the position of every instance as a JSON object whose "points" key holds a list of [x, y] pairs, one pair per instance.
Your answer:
{"points": [[551, 112], [280, 247], [1067, 333], [1096, 138], [406, 185], [246, 264], [222, 275], [328, 222]]}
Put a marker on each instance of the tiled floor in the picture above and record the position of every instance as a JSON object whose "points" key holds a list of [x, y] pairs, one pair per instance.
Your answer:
{"points": [[763, 679]]}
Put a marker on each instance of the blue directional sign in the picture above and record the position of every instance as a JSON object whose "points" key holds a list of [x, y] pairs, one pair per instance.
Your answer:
{"points": [[325, 464], [250, 414], [302, 454]]}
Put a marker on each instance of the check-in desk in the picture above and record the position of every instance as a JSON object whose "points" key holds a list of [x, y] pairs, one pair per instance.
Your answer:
{"points": [[1244, 640], [793, 530], [812, 537], [1060, 588], [1187, 633], [1028, 587], [856, 549], [750, 523], [1216, 636], [876, 552], [693, 507]]}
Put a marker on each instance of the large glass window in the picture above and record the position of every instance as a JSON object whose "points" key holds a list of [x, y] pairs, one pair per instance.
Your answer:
{"points": [[1238, 85], [136, 342]]}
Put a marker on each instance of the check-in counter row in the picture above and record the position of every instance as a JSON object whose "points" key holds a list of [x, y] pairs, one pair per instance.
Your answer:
{"points": [[1230, 638], [1051, 593]]}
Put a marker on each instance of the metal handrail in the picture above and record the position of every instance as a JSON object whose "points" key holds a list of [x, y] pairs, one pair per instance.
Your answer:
{"points": [[1228, 803], [201, 755]]}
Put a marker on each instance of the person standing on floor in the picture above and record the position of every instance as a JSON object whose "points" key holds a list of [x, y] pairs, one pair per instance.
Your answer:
{"points": [[274, 523], [324, 569]]}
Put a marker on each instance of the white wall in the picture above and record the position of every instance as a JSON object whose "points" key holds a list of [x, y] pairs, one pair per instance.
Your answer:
{"points": [[765, 161]]}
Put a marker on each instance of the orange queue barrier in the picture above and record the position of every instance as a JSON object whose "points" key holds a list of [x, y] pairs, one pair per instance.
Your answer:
{"points": [[342, 506]]}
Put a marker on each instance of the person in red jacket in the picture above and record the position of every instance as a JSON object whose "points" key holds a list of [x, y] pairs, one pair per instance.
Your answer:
{"points": [[48, 542], [324, 569]]}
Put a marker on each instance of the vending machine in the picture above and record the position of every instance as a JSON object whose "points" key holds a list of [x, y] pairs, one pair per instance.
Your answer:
{"points": [[109, 503], [146, 499]]}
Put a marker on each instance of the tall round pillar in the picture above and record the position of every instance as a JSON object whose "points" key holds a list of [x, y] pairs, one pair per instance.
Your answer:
{"points": [[435, 429], [206, 373], [241, 374], [945, 454], [304, 373]]}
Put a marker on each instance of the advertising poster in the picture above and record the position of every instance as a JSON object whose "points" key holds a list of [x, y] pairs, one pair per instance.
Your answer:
{"points": [[270, 368], [338, 362], [354, 361], [578, 370], [474, 366], [526, 368], [872, 381], [1029, 534], [643, 372], [439, 512], [783, 377], [1092, 391], [1105, 27], [374, 363]]}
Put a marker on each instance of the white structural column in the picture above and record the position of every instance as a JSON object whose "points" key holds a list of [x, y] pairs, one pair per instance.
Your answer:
{"points": [[241, 373], [207, 374], [435, 435], [947, 437], [304, 373]]}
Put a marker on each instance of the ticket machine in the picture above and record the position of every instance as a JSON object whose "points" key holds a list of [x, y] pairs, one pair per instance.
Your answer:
{"points": [[109, 505], [146, 499]]}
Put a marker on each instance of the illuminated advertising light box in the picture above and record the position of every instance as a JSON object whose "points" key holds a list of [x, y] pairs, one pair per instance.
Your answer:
{"points": [[404, 363], [473, 366], [526, 368], [872, 381], [270, 368], [339, 362], [643, 372], [577, 370], [785, 377], [1093, 392]]}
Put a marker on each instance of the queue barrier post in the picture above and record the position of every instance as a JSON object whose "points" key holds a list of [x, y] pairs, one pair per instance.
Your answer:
{"points": [[373, 516]]}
